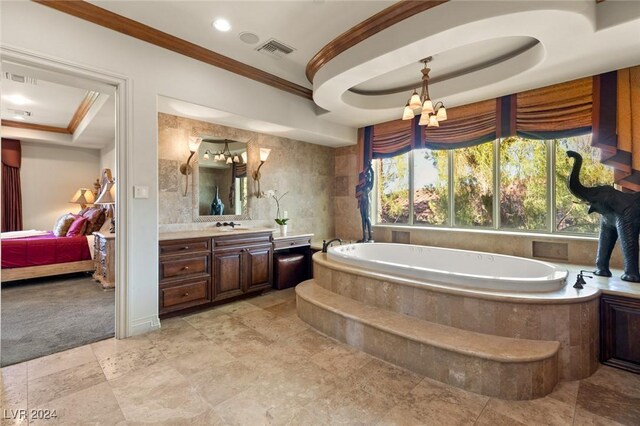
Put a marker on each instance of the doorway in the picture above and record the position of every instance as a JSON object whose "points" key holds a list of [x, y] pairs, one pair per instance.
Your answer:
{"points": [[70, 124]]}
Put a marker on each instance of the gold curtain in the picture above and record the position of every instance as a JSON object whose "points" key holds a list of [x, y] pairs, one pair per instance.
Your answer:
{"points": [[466, 125]]}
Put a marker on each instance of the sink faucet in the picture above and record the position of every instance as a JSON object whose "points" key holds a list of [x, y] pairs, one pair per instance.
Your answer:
{"points": [[231, 224], [326, 244]]}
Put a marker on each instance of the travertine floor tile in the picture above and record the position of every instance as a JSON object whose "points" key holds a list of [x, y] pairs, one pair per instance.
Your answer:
{"points": [[341, 360], [123, 363], [266, 301], [204, 318], [257, 406], [13, 398], [238, 308], [385, 380], [566, 392], [307, 342], [490, 417], [586, 418], [178, 339], [608, 403], [617, 380], [158, 394], [95, 404], [109, 347], [61, 361], [56, 385], [348, 406], [435, 403], [217, 384], [548, 411], [208, 355], [286, 309]]}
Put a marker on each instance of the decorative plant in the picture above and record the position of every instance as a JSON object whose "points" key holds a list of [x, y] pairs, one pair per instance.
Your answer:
{"points": [[274, 195]]}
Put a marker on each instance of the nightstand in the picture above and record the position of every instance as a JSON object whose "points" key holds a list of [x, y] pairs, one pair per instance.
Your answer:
{"points": [[104, 258]]}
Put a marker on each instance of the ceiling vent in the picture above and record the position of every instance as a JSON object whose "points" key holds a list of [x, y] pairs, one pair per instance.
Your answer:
{"points": [[275, 49], [17, 78]]}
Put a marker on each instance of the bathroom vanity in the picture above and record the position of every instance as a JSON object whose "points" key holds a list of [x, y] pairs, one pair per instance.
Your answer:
{"points": [[198, 269]]}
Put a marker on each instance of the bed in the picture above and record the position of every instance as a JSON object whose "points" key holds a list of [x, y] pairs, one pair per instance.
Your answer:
{"points": [[45, 255]]}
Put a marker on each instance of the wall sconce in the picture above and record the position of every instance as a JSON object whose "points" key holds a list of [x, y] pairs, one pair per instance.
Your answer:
{"points": [[264, 154], [185, 168]]}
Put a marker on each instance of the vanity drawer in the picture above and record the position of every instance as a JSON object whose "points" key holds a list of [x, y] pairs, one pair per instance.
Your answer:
{"points": [[185, 266], [175, 247], [242, 240], [291, 243], [185, 294]]}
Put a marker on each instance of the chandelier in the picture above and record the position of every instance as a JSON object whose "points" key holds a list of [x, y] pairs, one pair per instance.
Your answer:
{"points": [[431, 114], [224, 156]]}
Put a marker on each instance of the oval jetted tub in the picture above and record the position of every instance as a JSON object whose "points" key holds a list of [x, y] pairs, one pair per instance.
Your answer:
{"points": [[457, 268]]}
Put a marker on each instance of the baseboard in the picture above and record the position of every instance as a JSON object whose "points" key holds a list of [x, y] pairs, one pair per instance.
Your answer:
{"points": [[144, 325]]}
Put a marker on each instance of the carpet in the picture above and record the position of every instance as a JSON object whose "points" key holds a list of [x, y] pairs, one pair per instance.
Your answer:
{"points": [[48, 315]]}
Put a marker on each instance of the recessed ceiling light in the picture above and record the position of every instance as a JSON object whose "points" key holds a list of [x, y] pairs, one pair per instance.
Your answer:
{"points": [[222, 24], [17, 99], [249, 38]]}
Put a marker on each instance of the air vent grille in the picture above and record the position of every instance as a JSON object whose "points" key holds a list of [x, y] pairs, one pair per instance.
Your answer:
{"points": [[275, 49], [17, 78]]}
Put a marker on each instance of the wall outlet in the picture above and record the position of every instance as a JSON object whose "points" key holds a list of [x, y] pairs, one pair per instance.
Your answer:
{"points": [[140, 191]]}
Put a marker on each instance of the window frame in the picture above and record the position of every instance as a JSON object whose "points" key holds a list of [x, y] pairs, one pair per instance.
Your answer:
{"points": [[550, 147]]}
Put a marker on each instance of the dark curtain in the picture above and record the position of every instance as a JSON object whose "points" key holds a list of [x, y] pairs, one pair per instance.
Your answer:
{"points": [[11, 193], [616, 124]]}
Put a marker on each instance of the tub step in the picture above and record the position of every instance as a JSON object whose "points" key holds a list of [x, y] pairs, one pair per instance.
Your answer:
{"points": [[497, 366]]}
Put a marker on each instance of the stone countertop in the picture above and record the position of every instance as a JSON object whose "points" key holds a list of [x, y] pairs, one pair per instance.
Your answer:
{"points": [[278, 237], [613, 285], [211, 232]]}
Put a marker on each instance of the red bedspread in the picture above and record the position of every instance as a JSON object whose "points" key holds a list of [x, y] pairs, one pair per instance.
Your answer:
{"points": [[44, 250]]}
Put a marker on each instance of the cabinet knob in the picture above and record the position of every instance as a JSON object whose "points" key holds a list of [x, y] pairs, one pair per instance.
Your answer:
{"points": [[185, 248], [185, 268], [186, 294], [292, 243]]}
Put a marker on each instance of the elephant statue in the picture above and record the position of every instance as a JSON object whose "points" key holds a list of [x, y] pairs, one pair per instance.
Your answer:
{"points": [[620, 218]]}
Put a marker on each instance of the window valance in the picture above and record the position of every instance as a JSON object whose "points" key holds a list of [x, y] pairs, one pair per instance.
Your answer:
{"points": [[608, 105]]}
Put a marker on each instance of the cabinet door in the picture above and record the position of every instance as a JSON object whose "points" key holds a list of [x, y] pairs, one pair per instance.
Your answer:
{"points": [[620, 329], [227, 273], [258, 267]]}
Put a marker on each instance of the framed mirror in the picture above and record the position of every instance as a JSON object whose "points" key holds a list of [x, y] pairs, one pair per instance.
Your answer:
{"points": [[220, 181]]}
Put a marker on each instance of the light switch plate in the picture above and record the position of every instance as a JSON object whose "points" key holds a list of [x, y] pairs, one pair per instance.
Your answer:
{"points": [[140, 191]]}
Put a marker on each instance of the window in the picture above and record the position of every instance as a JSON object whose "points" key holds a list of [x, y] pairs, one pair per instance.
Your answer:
{"points": [[513, 184], [473, 185], [393, 189], [523, 184], [431, 192]]}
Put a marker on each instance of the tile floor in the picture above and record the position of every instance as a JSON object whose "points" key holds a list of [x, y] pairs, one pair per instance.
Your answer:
{"points": [[254, 362]]}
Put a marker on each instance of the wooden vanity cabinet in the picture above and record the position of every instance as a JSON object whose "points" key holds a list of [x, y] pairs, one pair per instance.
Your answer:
{"points": [[204, 271], [620, 332], [185, 274], [242, 264]]}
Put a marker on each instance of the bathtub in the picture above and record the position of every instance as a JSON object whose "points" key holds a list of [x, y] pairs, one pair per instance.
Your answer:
{"points": [[456, 268]]}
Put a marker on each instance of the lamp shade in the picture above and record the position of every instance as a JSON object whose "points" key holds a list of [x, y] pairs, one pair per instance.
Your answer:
{"points": [[441, 115], [108, 194], [427, 107], [229, 160], [194, 143], [415, 103], [408, 113], [424, 120], [244, 157], [206, 155], [433, 122], [264, 154], [83, 196]]}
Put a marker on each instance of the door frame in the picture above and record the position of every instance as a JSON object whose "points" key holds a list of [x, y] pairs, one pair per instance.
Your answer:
{"points": [[123, 151]]}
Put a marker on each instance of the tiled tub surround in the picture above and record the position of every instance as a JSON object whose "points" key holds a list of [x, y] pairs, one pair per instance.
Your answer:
{"points": [[450, 334]]}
